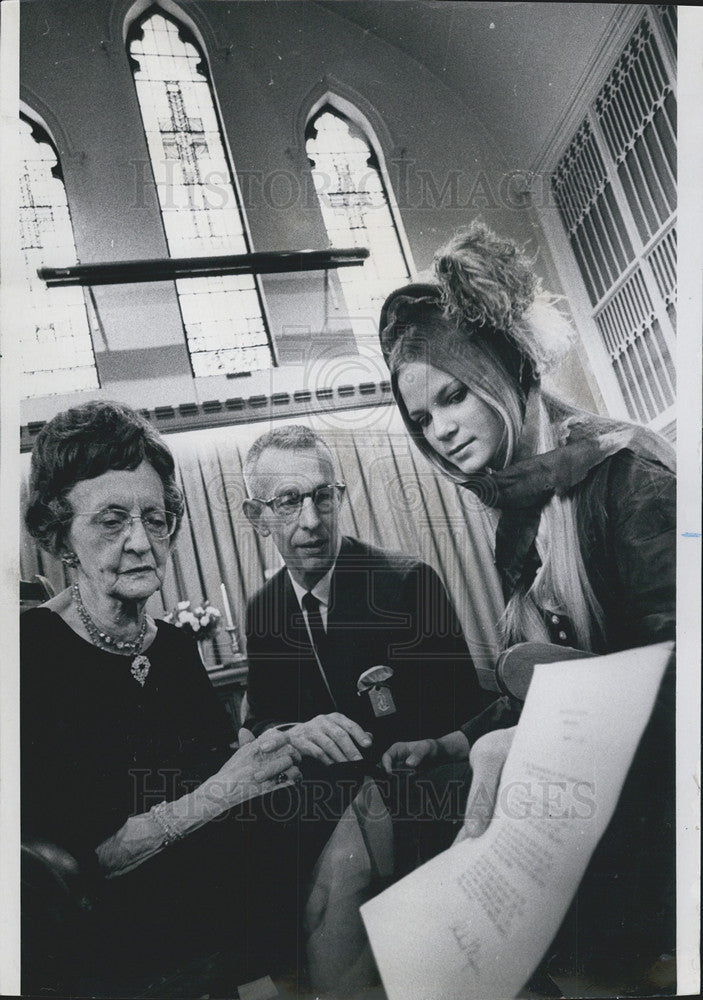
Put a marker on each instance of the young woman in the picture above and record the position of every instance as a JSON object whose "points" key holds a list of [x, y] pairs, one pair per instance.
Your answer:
{"points": [[584, 505], [584, 510]]}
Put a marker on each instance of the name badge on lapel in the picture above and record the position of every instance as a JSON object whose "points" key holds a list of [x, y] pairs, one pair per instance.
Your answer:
{"points": [[373, 682]]}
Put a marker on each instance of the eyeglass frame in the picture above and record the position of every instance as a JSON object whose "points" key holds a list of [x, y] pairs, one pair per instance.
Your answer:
{"points": [[339, 489], [130, 519]]}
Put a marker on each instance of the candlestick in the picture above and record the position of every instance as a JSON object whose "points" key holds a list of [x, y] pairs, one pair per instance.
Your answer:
{"points": [[233, 633], [226, 608]]}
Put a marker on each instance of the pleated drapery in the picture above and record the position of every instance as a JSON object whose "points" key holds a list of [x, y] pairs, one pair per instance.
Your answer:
{"points": [[394, 499]]}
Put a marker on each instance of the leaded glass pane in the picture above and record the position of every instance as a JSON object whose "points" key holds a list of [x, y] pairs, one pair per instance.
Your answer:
{"points": [[356, 212], [636, 109], [56, 349], [223, 316]]}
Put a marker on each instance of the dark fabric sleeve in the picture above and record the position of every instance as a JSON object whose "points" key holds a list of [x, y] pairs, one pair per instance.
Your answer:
{"points": [[500, 714], [624, 914], [641, 531], [186, 730], [55, 781], [446, 687], [263, 712], [200, 698]]}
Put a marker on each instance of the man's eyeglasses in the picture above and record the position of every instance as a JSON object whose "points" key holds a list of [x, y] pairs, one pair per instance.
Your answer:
{"points": [[289, 504], [158, 524]]}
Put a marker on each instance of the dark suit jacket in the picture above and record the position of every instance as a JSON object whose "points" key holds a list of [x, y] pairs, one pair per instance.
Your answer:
{"points": [[385, 608]]}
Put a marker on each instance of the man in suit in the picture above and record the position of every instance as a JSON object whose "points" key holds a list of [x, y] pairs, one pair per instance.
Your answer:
{"points": [[338, 608]]}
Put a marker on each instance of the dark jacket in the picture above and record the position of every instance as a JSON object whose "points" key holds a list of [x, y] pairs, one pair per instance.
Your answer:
{"points": [[626, 513], [626, 519], [623, 916], [385, 608]]}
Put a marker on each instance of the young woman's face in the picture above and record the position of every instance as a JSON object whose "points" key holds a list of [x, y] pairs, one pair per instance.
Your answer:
{"points": [[456, 424]]}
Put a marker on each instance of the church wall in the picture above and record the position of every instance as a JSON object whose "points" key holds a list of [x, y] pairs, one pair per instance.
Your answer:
{"points": [[270, 64]]}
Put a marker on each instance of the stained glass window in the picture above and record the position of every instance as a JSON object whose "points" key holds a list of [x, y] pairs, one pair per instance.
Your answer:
{"points": [[56, 349], [357, 213], [223, 316]]}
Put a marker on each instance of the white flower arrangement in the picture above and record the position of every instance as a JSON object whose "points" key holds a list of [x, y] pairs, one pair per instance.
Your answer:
{"points": [[201, 622]]}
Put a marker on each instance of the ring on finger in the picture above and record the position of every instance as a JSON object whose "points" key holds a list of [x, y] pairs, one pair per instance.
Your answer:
{"points": [[281, 778]]}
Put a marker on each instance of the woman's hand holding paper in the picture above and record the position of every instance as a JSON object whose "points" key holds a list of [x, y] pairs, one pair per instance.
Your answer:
{"points": [[487, 757]]}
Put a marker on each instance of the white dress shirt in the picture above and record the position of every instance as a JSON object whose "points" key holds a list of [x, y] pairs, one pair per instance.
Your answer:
{"points": [[321, 591]]}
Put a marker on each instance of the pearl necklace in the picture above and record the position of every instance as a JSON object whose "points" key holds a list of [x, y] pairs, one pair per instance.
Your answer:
{"points": [[123, 647]]}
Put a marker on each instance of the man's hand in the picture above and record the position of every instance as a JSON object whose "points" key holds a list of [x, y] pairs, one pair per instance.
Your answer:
{"points": [[329, 738], [487, 757]]}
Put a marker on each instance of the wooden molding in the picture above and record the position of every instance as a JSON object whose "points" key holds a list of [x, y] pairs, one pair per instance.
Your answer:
{"points": [[251, 409]]}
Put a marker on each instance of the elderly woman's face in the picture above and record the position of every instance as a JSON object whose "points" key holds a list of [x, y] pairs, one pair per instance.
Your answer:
{"points": [[455, 423], [129, 564]]}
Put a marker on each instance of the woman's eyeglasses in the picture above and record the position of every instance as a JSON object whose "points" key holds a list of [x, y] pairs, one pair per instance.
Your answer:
{"points": [[158, 524], [289, 504]]}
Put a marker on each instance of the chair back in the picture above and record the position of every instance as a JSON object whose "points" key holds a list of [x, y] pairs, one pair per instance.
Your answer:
{"points": [[34, 592]]}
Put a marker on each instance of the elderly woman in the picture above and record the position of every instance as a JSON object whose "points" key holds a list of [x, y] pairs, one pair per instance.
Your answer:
{"points": [[126, 750], [583, 509]]}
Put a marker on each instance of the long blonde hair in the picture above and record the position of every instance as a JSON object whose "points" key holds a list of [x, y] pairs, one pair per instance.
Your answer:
{"points": [[489, 323], [561, 584]]}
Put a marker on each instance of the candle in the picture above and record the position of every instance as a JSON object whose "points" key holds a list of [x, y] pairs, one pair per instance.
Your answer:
{"points": [[226, 607]]}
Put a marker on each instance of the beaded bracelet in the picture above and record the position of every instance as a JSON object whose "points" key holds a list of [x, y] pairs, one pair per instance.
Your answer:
{"points": [[171, 835]]}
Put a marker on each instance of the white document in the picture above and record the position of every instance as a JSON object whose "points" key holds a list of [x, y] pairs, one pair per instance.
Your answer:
{"points": [[475, 921]]}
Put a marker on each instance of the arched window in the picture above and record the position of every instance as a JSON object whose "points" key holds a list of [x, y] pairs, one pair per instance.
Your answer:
{"points": [[357, 212], [56, 349], [202, 215]]}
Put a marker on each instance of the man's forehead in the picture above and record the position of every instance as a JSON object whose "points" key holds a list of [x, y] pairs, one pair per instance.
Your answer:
{"points": [[298, 468]]}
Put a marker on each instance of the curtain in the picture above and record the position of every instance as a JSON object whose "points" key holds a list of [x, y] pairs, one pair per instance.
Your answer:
{"points": [[394, 499]]}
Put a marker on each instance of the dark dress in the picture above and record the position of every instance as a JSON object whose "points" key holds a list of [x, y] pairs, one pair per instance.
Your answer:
{"points": [[98, 748]]}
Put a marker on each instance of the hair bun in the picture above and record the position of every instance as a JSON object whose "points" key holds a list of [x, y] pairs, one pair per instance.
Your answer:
{"points": [[488, 282], [485, 279], [405, 306]]}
